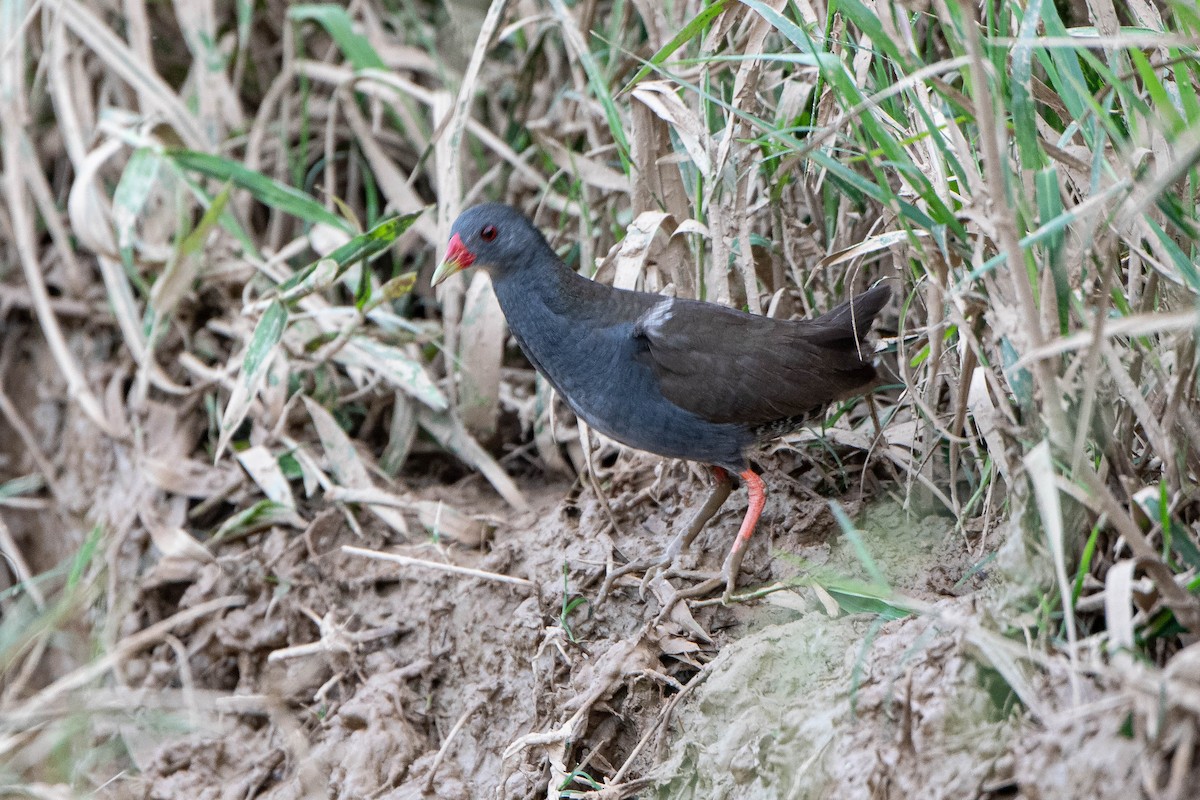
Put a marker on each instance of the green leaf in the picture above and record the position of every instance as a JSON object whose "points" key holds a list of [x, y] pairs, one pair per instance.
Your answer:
{"points": [[860, 547], [263, 342], [194, 241], [1019, 379], [182, 269], [868, 22], [84, 557], [1159, 96], [596, 81], [337, 23], [129, 198], [316, 277], [1024, 115], [266, 190], [363, 246], [1049, 203], [696, 26], [393, 289], [1187, 270], [26, 484], [865, 602], [260, 516]]}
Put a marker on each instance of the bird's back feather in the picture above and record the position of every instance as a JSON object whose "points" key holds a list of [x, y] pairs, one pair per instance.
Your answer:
{"points": [[729, 366]]}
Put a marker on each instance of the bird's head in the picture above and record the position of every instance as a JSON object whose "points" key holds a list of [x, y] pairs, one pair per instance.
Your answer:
{"points": [[493, 236]]}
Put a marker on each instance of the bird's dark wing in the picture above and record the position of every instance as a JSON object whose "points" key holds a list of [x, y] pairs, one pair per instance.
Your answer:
{"points": [[728, 366]]}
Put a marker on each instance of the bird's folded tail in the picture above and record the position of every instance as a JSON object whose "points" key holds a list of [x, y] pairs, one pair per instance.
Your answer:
{"points": [[847, 325]]}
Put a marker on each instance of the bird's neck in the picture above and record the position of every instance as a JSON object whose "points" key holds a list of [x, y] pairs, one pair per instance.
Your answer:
{"points": [[545, 287]]}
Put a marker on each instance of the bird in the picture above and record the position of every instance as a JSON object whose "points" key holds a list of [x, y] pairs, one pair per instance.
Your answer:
{"points": [[677, 377]]}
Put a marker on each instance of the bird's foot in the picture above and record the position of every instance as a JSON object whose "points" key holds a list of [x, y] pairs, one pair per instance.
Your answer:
{"points": [[702, 589], [613, 575], [709, 582], [667, 565], [686, 596], [731, 568]]}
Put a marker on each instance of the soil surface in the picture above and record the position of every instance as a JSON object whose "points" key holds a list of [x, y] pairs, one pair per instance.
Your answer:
{"points": [[308, 670], [343, 676]]}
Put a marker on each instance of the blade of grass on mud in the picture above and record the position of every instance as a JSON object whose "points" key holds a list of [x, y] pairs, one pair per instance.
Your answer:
{"points": [[857, 597], [261, 348], [856, 540], [261, 516], [180, 272], [264, 469], [1084, 568], [27, 625]]}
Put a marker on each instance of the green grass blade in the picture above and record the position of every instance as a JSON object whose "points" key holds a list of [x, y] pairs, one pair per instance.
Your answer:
{"points": [[337, 23], [696, 26], [259, 352], [266, 190], [362, 247], [596, 80]]}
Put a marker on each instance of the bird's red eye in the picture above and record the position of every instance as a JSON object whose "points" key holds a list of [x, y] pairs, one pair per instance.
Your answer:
{"points": [[488, 233]]}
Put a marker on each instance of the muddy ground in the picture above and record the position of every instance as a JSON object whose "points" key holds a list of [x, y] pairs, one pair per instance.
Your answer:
{"points": [[336, 675], [277, 664]]}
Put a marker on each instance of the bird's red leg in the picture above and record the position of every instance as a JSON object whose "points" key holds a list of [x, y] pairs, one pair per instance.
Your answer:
{"points": [[758, 498], [733, 562]]}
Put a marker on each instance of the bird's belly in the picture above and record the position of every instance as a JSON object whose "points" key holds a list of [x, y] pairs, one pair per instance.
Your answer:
{"points": [[621, 398], [666, 435]]}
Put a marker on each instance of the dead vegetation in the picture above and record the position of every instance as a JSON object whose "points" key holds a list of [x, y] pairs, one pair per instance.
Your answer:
{"points": [[225, 386]]}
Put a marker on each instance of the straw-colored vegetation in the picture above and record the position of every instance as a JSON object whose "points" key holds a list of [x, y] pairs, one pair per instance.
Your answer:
{"points": [[221, 362]]}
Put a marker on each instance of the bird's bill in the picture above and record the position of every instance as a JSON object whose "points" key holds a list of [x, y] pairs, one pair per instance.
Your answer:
{"points": [[458, 258]]}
